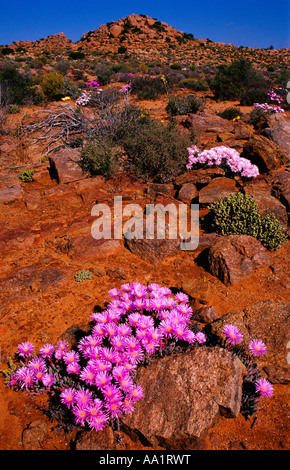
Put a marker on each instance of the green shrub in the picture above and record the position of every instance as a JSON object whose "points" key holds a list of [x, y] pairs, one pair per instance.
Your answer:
{"points": [[16, 88], [258, 118], [272, 235], [26, 175], [7, 50], [13, 109], [238, 81], [179, 105], [75, 55], [230, 113], [152, 149], [238, 214], [122, 50], [99, 157], [53, 85], [82, 275], [148, 88], [192, 84], [104, 73], [156, 151]]}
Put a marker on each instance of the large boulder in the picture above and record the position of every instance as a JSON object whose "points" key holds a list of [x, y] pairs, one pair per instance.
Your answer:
{"points": [[184, 395], [280, 135], [11, 193], [64, 165], [200, 176], [116, 30], [234, 257], [271, 205], [216, 189], [207, 122], [264, 153], [281, 187]]}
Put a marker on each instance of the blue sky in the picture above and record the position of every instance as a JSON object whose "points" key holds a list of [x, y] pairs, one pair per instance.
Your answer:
{"points": [[252, 23]]}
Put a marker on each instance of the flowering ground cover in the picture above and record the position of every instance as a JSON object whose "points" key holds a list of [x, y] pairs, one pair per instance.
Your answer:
{"points": [[94, 384]]}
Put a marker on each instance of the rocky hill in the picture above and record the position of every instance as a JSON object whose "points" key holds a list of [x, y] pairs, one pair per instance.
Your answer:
{"points": [[147, 38], [55, 42]]}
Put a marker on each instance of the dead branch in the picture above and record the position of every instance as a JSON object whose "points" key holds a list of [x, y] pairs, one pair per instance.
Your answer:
{"points": [[59, 126]]}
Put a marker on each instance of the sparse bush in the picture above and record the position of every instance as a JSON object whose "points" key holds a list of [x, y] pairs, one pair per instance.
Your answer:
{"points": [[104, 73], [122, 50], [153, 149], [179, 105], [239, 81], [195, 85], [7, 50], [156, 151], [258, 118], [148, 88], [100, 157], [53, 85], [26, 175], [13, 109], [230, 113], [75, 55], [16, 88], [272, 235]]}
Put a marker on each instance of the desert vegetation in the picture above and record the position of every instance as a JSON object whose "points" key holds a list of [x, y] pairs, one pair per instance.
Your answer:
{"points": [[139, 110]]}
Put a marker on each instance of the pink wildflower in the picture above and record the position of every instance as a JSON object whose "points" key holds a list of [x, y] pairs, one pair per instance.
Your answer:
{"points": [[26, 376], [136, 393], [67, 397], [98, 422], [46, 350], [200, 337], [257, 347], [80, 414], [73, 368], [88, 375], [83, 397], [102, 379], [47, 379], [25, 349], [37, 364], [233, 334], [264, 387], [71, 356], [128, 406]]}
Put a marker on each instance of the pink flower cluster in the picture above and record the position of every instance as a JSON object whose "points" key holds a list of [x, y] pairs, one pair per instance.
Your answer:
{"points": [[138, 322], [86, 96], [274, 97], [222, 155], [126, 88], [83, 99], [257, 348], [271, 109], [93, 84]]}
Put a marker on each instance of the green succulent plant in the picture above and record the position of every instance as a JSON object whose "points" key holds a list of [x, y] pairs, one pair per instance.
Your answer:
{"points": [[82, 275], [239, 214]]}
